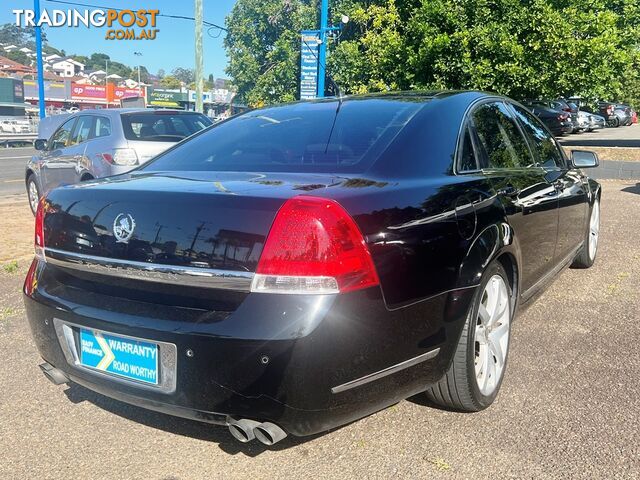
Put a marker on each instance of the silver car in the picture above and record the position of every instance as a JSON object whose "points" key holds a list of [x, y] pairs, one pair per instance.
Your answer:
{"points": [[99, 143]]}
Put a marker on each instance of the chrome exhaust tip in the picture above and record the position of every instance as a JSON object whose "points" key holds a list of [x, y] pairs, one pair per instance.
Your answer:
{"points": [[243, 429], [269, 433], [55, 376]]}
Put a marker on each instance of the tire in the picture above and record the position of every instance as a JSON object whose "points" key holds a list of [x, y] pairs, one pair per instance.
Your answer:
{"points": [[460, 389], [33, 193], [587, 255], [615, 123]]}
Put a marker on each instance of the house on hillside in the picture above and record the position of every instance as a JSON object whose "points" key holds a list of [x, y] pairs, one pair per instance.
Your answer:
{"points": [[67, 67], [10, 48], [11, 68]]}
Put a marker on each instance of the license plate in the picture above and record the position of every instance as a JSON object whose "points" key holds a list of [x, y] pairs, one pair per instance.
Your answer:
{"points": [[125, 357]]}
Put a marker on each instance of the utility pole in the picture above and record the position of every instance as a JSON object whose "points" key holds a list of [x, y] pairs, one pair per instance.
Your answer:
{"points": [[322, 54], [106, 86], [199, 63], [138, 54], [41, 100]]}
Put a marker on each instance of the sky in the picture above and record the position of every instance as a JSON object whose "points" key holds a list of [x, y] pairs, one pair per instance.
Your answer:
{"points": [[173, 47]]}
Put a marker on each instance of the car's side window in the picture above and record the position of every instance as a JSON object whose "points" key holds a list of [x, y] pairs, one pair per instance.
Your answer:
{"points": [[545, 149], [82, 129], [61, 138], [500, 137], [467, 159], [102, 127]]}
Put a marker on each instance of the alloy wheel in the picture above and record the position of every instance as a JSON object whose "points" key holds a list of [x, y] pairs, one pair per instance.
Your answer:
{"points": [[34, 197], [594, 229], [492, 335]]}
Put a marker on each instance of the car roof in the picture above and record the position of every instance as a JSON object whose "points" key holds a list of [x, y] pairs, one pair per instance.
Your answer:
{"points": [[119, 111]]}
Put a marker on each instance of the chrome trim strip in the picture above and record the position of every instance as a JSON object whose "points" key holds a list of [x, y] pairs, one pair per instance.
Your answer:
{"points": [[387, 371], [167, 364], [152, 272]]}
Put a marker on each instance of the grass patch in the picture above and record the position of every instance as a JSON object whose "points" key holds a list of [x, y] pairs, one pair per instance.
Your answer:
{"points": [[7, 312], [11, 267]]}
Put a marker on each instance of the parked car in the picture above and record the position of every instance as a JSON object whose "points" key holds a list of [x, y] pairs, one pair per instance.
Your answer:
{"points": [[98, 143], [607, 110], [560, 106], [596, 122], [623, 112], [13, 126], [295, 268], [557, 121]]}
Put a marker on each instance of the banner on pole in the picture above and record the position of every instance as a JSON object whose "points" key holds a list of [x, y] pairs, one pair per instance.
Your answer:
{"points": [[310, 42]]}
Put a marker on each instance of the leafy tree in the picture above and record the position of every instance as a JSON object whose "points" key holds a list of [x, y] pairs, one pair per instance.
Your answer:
{"points": [[263, 45], [522, 48], [11, 34], [170, 82], [185, 75], [19, 57], [160, 73]]}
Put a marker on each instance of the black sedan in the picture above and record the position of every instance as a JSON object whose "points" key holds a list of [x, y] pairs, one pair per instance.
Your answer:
{"points": [[298, 267], [557, 121]]}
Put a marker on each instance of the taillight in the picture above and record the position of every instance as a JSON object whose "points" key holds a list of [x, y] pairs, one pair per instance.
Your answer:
{"points": [[31, 281], [314, 246], [39, 234], [121, 156]]}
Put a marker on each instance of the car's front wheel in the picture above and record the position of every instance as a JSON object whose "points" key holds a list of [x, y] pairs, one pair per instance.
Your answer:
{"points": [[587, 255], [33, 192], [475, 375]]}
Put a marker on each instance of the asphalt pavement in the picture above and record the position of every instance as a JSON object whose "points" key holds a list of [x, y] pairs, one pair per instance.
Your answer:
{"points": [[568, 407], [628, 136], [12, 162]]}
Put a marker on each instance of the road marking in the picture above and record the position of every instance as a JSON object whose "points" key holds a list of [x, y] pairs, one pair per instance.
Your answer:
{"points": [[12, 181]]}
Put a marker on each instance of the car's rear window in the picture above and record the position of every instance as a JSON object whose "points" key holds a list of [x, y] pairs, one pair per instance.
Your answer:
{"points": [[303, 137], [162, 126]]}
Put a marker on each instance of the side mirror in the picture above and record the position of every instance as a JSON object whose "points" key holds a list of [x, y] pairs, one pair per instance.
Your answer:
{"points": [[584, 159], [40, 144]]}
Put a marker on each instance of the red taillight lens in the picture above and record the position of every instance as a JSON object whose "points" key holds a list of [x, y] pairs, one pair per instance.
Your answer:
{"points": [[314, 246], [31, 282], [39, 236]]}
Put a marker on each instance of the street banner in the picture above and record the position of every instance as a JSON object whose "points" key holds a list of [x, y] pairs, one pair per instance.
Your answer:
{"points": [[310, 41]]}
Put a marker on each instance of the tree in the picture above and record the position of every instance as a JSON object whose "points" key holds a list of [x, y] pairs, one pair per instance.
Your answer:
{"points": [[263, 46], [11, 34], [521, 48], [185, 75], [170, 82], [19, 57], [160, 73]]}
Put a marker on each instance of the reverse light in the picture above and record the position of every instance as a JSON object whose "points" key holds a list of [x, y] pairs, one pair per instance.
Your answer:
{"points": [[314, 247]]}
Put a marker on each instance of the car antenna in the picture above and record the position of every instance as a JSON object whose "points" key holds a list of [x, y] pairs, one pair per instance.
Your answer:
{"points": [[334, 84]]}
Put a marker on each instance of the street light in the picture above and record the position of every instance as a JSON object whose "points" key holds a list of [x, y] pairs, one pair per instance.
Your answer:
{"points": [[138, 54]]}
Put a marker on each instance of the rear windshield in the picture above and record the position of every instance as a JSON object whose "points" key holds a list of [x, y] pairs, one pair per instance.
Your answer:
{"points": [[161, 126], [303, 137]]}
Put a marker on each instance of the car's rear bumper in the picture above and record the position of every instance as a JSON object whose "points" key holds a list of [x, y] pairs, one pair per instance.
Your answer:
{"points": [[306, 363]]}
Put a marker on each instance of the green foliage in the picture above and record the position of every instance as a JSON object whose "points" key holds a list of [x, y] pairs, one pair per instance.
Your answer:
{"points": [[263, 45], [170, 82], [11, 267], [521, 48], [17, 56]]}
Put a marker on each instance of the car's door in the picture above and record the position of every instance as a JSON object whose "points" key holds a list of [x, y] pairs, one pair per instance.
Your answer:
{"points": [[570, 184], [528, 196], [75, 153], [54, 159]]}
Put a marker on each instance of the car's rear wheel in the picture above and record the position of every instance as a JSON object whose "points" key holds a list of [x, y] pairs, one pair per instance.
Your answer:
{"points": [[33, 192], [475, 375], [589, 250]]}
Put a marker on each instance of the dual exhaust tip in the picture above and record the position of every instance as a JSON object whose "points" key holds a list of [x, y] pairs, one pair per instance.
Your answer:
{"points": [[245, 430]]}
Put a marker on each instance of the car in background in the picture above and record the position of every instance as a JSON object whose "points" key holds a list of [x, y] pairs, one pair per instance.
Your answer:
{"points": [[294, 268], [561, 106], [557, 121], [623, 112], [596, 122], [99, 143], [14, 126], [607, 110]]}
